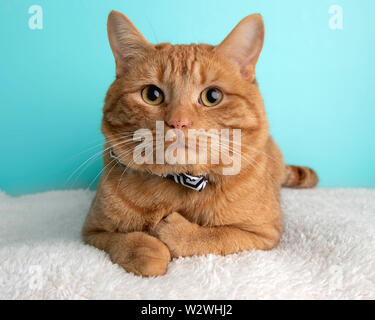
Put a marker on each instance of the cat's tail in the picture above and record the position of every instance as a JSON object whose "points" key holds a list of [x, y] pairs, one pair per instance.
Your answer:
{"points": [[300, 177]]}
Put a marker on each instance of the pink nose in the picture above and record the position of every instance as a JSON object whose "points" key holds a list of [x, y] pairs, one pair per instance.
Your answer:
{"points": [[179, 124]]}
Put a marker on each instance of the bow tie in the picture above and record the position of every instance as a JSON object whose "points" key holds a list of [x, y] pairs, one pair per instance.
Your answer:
{"points": [[197, 183]]}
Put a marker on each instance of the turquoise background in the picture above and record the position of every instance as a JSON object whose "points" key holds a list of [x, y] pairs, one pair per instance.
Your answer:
{"points": [[318, 83]]}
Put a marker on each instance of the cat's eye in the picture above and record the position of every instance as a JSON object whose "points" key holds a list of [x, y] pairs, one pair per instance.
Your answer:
{"points": [[210, 97], [151, 94]]}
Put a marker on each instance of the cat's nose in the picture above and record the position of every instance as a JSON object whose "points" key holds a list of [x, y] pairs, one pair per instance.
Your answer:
{"points": [[179, 123]]}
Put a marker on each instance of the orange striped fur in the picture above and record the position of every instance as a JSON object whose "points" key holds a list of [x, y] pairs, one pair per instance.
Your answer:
{"points": [[142, 220], [299, 177]]}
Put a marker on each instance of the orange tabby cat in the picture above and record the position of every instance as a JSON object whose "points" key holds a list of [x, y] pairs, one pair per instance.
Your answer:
{"points": [[141, 219]]}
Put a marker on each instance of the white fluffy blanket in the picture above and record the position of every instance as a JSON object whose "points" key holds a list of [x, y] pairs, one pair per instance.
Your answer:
{"points": [[327, 252]]}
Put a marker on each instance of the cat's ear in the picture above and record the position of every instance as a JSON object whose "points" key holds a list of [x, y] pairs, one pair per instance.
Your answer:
{"points": [[244, 44], [126, 41]]}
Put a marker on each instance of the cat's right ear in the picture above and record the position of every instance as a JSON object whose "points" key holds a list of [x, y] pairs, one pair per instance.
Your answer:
{"points": [[126, 41]]}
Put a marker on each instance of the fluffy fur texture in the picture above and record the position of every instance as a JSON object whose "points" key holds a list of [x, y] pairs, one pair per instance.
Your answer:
{"points": [[143, 221], [326, 252]]}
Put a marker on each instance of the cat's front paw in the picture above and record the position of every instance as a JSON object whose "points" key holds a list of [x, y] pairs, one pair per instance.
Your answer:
{"points": [[141, 254], [177, 233]]}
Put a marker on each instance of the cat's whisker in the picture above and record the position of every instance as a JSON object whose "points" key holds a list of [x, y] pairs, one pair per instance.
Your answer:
{"points": [[114, 161], [123, 172], [129, 164], [253, 163], [125, 169], [251, 147], [262, 178], [104, 141], [225, 147], [220, 138], [102, 170], [96, 155]]}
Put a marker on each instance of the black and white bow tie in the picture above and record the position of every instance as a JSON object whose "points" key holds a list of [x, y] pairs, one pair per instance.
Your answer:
{"points": [[197, 183]]}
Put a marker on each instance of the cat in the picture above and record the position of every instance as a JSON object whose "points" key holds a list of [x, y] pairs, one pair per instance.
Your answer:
{"points": [[142, 219]]}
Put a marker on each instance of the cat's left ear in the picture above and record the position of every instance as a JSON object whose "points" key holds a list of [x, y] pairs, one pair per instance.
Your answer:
{"points": [[244, 44], [127, 43]]}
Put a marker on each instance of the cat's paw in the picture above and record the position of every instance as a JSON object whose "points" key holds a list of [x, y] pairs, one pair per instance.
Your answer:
{"points": [[176, 232], [142, 255]]}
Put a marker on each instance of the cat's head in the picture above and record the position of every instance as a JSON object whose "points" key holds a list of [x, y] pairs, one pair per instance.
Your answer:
{"points": [[184, 87]]}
